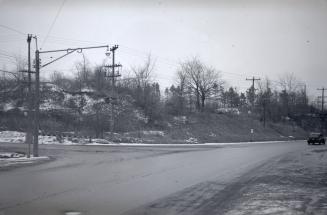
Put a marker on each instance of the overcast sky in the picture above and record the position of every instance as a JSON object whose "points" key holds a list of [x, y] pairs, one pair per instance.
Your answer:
{"points": [[241, 38]]}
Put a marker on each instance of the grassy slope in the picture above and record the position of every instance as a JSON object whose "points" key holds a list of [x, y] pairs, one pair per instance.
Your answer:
{"points": [[230, 128]]}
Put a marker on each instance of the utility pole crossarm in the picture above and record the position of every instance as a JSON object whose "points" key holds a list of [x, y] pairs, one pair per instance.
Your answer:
{"points": [[114, 48], [251, 79], [111, 66]]}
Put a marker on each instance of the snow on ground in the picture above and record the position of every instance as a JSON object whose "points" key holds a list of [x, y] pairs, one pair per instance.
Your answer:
{"points": [[19, 137], [156, 133], [198, 144], [12, 136], [7, 155], [8, 106], [8, 159]]}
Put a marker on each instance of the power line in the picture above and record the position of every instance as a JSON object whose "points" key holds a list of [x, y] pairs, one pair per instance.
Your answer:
{"points": [[6, 55], [4, 51], [73, 40], [7, 60], [54, 22], [125, 48], [12, 29], [130, 51], [8, 72]]}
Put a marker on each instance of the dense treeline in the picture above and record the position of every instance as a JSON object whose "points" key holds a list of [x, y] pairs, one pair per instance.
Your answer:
{"points": [[200, 88], [85, 102]]}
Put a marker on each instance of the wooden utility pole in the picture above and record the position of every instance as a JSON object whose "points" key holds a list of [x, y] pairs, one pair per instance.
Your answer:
{"points": [[322, 98], [29, 133], [113, 77], [36, 105], [322, 115], [253, 79]]}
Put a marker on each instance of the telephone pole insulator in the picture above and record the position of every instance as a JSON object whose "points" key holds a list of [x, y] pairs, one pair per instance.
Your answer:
{"points": [[112, 49]]}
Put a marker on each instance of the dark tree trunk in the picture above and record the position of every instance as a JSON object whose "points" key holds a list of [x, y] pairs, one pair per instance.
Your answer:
{"points": [[197, 99], [202, 101]]}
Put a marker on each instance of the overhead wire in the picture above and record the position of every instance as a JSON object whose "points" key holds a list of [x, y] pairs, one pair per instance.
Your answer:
{"points": [[7, 60], [12, 29], [53, 22], [125, 49], [8, 56]]}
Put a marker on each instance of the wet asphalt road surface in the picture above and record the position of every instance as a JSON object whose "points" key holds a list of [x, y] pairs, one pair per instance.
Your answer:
{"points": [[131, 180]]}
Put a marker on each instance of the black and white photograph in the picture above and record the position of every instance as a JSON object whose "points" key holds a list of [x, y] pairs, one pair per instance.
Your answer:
{"points": [[163, 107]]}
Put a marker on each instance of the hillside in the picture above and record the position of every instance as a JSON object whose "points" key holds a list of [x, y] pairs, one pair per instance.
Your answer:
{"points": [[87, 112], [219, 128]]}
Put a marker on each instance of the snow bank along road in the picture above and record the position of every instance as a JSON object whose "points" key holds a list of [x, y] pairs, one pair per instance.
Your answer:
{"points": [[130, 180]]}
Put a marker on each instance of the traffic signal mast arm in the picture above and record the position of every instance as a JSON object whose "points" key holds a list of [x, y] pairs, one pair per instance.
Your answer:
{"points": [[37, 85], [69, 51]]}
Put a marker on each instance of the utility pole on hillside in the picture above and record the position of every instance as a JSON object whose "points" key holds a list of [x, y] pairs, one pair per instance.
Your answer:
{"points": [[37, 84], [113, 77], [322, 97], [322, 115], [253, 79]]}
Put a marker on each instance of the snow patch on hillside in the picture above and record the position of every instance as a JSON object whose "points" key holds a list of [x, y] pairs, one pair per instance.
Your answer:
{"points": [[19, 137]]}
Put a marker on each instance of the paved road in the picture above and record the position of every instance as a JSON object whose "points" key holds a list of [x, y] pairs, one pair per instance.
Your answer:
{"points": [[126, 180]]}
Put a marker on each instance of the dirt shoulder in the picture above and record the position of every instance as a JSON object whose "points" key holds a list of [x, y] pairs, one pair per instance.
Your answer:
{"points": [[293, 184]]}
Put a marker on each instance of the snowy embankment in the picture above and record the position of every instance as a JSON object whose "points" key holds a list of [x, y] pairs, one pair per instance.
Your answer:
{"points": [[19, 137]]}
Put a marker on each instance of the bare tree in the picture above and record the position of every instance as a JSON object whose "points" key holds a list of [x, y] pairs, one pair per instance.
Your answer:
{"points": [[193, 70], [289, 82], [144, 74], [210, 80], [182, 85], [83, 73], [147, 92], [201, 79]]}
